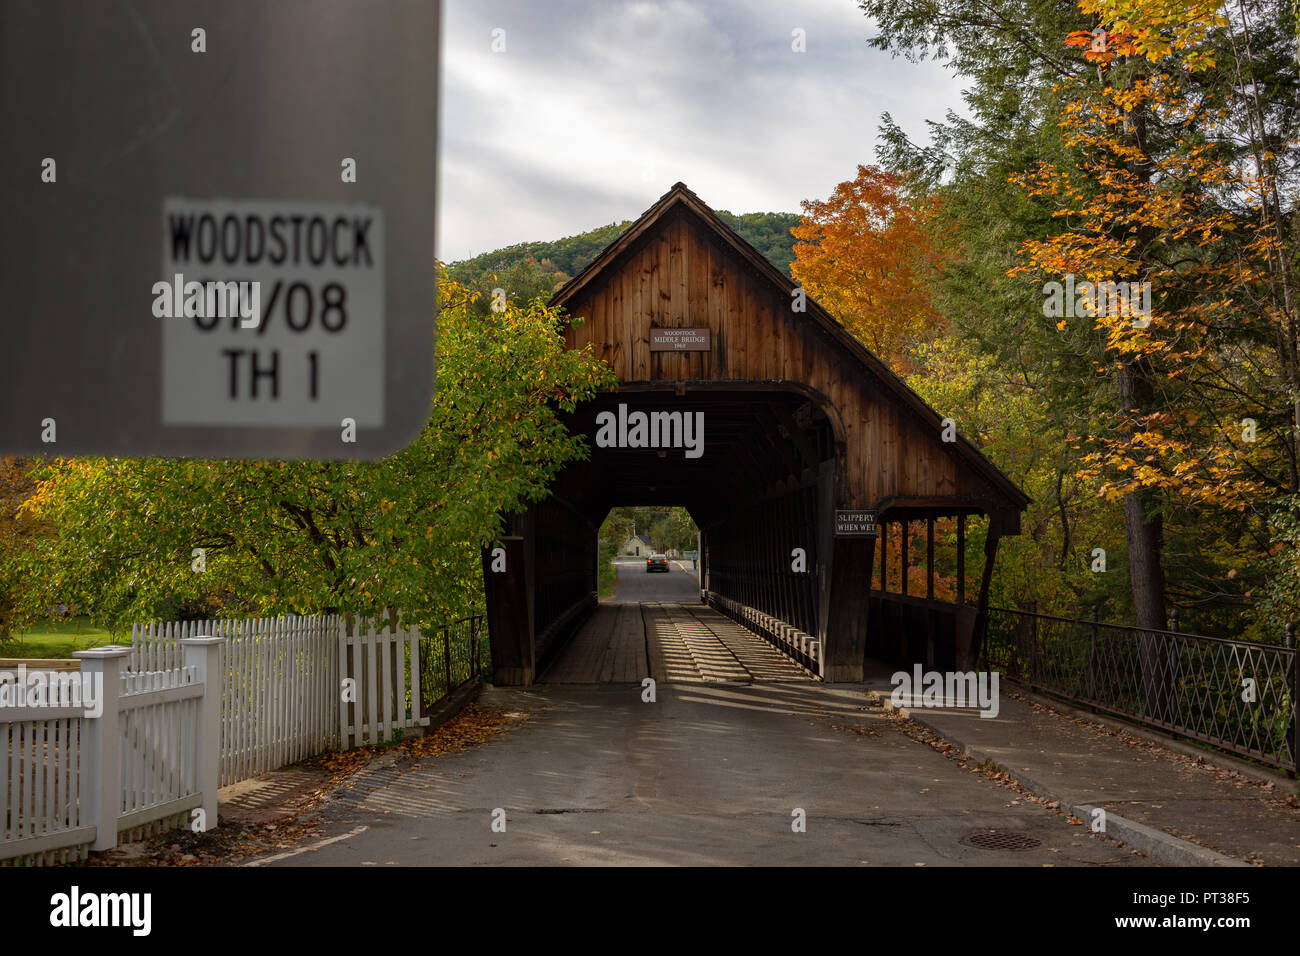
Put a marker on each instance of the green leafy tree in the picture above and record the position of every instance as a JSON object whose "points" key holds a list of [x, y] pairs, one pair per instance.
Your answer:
{"points": [[275, 536], [674, 531], [530, 270], [19, 535]]}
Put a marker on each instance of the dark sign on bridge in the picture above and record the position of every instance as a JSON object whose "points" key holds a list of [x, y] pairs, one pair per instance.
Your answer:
{"points": [[679, 340], [855, 524]]}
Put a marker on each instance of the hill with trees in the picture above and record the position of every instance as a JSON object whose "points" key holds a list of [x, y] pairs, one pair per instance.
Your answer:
{"points": [[527, 270]]}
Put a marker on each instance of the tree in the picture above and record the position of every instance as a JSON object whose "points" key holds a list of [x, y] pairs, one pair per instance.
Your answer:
{"points": [[1021, 82], [303, 537], [1149, 210], [674, 531], [1150, 204], [865, 256], [19, 534]]}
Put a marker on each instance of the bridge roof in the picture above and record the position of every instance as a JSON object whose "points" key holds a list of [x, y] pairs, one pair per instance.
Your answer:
{"points": [[680, 266]]}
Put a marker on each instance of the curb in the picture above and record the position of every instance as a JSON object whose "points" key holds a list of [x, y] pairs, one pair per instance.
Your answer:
{"points": [[1147, 840], [453, 704]]}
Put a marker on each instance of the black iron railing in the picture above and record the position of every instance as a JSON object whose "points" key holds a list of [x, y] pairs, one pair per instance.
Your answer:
{"points": [[1239, 696], [451, 656]]}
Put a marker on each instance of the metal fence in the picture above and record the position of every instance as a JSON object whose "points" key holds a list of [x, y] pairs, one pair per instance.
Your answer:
{"points": [[1239, 696], [457, 653]]}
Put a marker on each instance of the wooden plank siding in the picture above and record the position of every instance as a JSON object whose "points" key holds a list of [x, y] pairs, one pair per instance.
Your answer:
{"points": [[680, 267]]}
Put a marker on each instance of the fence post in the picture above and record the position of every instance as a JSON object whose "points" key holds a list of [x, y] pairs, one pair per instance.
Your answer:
{"points": [[1175, 705], [1092, 658], [473, 644], [984, 648], [101, 744], [1295, 704], [204, 655], [1033, 641], [446, 654]]}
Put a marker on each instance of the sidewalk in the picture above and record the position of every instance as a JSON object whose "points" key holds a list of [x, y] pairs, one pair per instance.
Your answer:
{"points": [[1157, 799], [277, 810]]}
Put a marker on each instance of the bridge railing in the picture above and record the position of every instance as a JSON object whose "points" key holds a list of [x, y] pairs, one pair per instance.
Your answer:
{"points": [[1239, 696], [903, 629]]}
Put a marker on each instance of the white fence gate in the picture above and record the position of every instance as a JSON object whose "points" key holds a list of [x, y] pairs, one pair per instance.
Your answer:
{"points": [[111, 753], [383, 693]]}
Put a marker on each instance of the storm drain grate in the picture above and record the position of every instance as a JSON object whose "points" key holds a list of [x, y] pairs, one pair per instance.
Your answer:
{"points": [[1000, 840], [569, 810]]}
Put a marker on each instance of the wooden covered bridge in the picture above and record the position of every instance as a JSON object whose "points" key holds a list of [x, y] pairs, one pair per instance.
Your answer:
{"points": [[756, 410]]}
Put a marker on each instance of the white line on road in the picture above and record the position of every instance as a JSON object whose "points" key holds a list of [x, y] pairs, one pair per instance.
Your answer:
{"points": [[316, 846]]}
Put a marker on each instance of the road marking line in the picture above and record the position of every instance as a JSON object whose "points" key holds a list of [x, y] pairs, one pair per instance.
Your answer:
{"points": [[317, 846]]}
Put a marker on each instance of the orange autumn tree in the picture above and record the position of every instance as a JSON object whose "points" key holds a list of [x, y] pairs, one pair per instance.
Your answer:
{"points": [[865, 255], [1153, 29]]}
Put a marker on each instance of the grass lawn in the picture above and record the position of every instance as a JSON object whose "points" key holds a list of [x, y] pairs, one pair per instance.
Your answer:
{"points": [[57, 638], [608, 578]]}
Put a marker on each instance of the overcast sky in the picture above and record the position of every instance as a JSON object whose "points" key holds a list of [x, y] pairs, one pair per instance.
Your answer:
{"points": [[596, 108]]}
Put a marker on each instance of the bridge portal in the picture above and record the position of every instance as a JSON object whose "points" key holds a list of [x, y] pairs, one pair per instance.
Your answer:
{"points": [[794, 449]]}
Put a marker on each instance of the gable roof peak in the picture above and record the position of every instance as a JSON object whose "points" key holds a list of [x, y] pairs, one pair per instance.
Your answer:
{"points": [[814, 313]]}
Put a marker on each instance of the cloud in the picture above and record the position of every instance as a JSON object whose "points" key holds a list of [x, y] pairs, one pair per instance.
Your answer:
{"points": [[595, 109]]}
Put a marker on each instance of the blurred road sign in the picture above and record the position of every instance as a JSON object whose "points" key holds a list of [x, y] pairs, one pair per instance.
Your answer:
{"points": [[216, 226]]}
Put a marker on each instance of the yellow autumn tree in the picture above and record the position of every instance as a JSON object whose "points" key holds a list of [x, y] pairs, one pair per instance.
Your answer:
{"points": [[1199, 346]]}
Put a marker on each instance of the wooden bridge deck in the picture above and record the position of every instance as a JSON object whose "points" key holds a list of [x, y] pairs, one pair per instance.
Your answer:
{"points": [[681, 643]]}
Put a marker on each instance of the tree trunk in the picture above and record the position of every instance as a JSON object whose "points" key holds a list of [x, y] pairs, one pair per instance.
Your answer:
{"points": [[1144, 534]]}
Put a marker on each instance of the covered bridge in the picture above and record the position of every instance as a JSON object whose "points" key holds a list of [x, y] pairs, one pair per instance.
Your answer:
{"points": [[751, 406]]}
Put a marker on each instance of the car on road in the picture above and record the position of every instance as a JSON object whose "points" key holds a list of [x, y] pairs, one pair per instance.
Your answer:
{"points": [[656, 562]]}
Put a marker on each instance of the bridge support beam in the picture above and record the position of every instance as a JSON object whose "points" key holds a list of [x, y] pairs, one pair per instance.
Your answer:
{"points": [[509, 593], [845, 644]]}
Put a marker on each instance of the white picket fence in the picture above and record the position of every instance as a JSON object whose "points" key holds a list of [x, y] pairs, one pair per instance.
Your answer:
{"points": [[195, 706], [383, 667], [40, 807], [73, 779], [283, 692]]}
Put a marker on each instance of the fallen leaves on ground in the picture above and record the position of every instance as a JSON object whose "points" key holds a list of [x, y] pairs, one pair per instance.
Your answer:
{"points": [[234, 841]]}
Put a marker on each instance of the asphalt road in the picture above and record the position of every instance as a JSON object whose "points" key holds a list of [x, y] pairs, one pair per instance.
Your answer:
{"points": [[637, 585], [707, 774]]}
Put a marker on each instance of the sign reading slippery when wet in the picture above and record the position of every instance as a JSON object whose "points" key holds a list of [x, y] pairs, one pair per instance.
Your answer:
{"points": [[219, 227], [270, 310], [855, 524]]}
